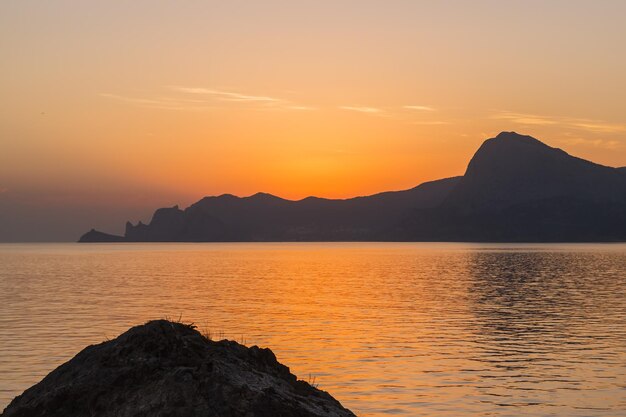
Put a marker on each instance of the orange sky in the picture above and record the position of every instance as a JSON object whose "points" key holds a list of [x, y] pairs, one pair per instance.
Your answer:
{"points": [[121, 107]]}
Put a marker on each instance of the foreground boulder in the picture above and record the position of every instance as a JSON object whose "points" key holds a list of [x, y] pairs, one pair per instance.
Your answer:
{"points": [[169, 369]]}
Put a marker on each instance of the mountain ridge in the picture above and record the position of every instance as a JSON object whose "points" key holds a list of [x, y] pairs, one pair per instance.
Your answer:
{"points": [[515, 188]]}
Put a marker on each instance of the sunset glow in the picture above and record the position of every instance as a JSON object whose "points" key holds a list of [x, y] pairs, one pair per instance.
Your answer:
{"points": [[111, 104], [312, 208]]}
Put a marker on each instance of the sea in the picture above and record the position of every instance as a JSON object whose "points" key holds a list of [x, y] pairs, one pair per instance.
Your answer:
{"points": [[402, 329]]}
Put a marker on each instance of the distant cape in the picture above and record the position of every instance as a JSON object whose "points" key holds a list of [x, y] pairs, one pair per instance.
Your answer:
{"points": [[515, 189]]}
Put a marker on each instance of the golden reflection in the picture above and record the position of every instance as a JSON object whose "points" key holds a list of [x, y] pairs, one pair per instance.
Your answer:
{"points": [[444, 329]]}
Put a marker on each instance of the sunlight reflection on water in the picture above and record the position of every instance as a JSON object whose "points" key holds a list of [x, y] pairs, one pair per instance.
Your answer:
{"points": [[402, 329]]}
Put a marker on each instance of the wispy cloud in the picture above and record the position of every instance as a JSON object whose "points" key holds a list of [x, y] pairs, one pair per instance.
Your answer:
{"points": [[524, 118], [361, 109], [301, 108], [165, 103], [600, 127], [596, 143], [227, 95], [3, 190], [134, 99], [420, 108], [200, 98], [266, 102], [590, 125], [430, 122], [285, 108]]}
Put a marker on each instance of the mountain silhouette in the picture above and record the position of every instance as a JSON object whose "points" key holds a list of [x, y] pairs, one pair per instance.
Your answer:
{"points": [[516, 188], [264, 217], [512, 169]]}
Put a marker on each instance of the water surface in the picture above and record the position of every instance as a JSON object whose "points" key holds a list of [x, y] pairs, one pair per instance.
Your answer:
{"points": [[388, 329]]}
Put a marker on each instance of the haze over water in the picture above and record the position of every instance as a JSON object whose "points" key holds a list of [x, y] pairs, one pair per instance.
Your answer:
{"points": [[388, 329]]}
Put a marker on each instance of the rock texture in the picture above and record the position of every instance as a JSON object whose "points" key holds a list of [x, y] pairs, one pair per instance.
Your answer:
{"points": [[168, 369]]}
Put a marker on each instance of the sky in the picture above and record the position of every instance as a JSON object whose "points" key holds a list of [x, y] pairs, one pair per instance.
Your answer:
{"points": [[109, 110]]}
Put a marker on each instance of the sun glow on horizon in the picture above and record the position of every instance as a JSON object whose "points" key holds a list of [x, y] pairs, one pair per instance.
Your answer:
{"points": [[294, 99]]}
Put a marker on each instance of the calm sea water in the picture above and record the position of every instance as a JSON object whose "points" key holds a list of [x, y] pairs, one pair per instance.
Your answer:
{"points": [[388, 329]]}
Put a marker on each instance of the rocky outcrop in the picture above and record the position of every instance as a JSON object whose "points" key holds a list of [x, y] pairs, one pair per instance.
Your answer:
{"points": [[94, 236], [163, 369]]}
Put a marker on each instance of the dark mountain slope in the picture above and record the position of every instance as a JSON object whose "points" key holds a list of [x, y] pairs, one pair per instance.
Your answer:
{"points": [[513, 169], [518, 189], [515, 188], [264, 217]]}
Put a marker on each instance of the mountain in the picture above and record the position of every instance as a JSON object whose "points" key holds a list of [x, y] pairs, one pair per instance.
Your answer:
{"points": [[264, 217], [512, 169], [516, 188]]}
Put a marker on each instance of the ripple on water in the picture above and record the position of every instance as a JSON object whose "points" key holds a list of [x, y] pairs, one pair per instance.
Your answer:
{"points": [[388, 329]]}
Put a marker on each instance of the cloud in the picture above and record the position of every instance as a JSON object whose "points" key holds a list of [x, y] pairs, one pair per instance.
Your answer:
{"points": [[361, 109], [166, 103], [285, 108], [420, 108], [596, 143], [227, 95], [590, 125], [204, 99], [599, 127], [301, 108], [430, 122], [3, 190], [267, 102], [133, 99], [525, 119]]}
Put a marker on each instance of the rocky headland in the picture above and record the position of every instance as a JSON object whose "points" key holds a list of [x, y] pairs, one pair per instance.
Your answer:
{"points": [[515, 189], [165, 368]]}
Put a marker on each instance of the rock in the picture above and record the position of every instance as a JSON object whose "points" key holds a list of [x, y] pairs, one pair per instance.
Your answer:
{"points": [[169, 369], [94, 236]]}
